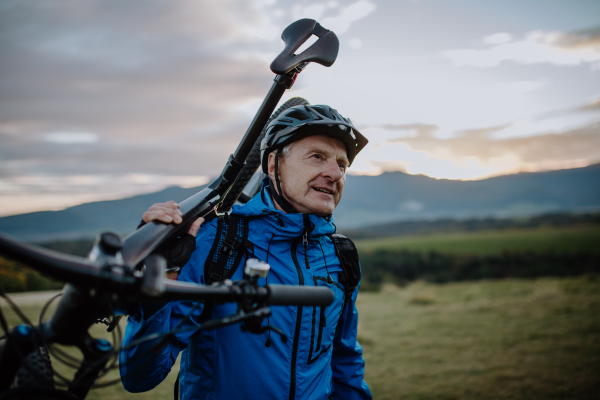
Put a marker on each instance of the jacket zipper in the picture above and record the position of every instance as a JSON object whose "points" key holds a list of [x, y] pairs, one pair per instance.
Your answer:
{"points": [[292, 394], [307, 224], [322, 324], [305, 243]]}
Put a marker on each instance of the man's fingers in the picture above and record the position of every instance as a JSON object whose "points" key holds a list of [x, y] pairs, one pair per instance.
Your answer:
{"points": [[195, 226], [157, 215], [172, 275], [169, 212], [165, 206], [165, 212], [167, 216]]}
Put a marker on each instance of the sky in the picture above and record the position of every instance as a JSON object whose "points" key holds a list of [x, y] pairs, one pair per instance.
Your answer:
{"points": [[103, 100]]}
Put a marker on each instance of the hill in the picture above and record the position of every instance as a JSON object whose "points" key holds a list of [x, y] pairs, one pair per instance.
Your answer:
{"points": [[367, 201], [87, 220], [395, 196]]}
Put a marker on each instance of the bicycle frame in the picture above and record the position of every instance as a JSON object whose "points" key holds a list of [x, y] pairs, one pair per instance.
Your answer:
{"points": [[205, 204]]}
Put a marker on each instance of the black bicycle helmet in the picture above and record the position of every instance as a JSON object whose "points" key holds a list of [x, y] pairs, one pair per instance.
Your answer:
{"points": [[299, 122]]}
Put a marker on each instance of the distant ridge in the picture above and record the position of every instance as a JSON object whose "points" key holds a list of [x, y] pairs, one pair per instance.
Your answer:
{"points": [[367, 201], [89, 219], [396, 196]]}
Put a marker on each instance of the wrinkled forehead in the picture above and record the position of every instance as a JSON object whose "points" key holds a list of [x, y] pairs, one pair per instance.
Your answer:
{"points": [[324, 144]]}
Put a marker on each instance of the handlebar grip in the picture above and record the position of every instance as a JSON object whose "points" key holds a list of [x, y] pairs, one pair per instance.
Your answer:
{"points": [[281, 295]]}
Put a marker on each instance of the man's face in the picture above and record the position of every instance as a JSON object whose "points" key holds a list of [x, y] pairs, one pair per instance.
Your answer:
{"points": [[313, 174]]}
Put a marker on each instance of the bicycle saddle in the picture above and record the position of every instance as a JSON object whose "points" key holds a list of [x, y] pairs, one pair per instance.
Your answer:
{"points": [[324, 51]]}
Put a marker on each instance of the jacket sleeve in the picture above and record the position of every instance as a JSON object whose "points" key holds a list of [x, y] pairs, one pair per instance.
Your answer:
{"points": [[144, 360], [347, 363]]}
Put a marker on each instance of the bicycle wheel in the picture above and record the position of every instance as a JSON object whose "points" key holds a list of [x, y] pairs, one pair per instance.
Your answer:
{"points": [[253, 161]]}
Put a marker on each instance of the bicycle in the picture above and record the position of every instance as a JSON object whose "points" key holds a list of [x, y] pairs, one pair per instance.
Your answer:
{"points": [[120, 273]]}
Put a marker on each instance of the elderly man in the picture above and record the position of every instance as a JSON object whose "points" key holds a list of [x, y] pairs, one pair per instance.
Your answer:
{"points": [[305, 152]]}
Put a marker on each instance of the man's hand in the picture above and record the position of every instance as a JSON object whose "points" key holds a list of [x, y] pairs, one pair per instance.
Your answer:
{"points": [[169, 213]]}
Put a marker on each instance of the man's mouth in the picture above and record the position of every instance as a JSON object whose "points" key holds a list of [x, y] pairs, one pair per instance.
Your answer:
{"points": [[323, 190]]}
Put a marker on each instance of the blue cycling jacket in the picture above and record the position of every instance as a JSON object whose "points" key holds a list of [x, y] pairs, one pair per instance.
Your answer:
{"points": [[321, 358]]}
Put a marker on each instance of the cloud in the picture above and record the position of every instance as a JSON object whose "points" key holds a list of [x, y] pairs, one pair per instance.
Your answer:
{"points": [[482, 132], [497, 38], [54, 192], [591, 106], [344, 15], [161, 92], [138, 88], [411, 130], [355, 43], [559, 48], [71, 137], [475, 153], [354, 12], [586, 39]]}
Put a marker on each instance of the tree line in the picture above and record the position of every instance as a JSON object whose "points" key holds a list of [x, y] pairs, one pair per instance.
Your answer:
{"points": [[401, 266]]}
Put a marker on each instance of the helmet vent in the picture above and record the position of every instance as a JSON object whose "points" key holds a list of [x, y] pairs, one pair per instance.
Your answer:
{"points": [[321, 112], [297, 114]]}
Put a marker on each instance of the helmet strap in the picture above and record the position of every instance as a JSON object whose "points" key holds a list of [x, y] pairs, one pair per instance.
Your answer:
{"points": [[282, 201]]}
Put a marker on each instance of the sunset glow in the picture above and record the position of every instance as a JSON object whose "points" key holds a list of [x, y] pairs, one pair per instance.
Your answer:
{"points": [[105, 102]]}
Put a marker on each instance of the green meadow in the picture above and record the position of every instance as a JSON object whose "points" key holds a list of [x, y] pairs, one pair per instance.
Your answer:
{"points": [[505, 339], [510, 338], [543, 239]]}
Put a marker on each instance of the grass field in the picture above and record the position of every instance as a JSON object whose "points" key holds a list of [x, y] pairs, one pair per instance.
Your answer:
{"points": [[560, 240], [508, 339], [32, 310], [512, 339]]}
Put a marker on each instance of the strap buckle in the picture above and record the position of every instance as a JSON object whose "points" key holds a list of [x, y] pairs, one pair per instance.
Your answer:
{"points": [[214, 278]]}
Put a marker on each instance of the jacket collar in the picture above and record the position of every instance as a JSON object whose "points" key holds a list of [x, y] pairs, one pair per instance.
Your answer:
{"points": [[282, 224]]}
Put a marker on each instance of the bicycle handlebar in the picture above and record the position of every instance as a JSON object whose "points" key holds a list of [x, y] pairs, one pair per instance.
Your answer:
{"points": [[120, 279], [299, 295], [63, 267]]}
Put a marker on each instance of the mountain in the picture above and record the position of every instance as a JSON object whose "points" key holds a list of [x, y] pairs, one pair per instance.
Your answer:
{"points": [[395, 196], [87, 220], [367, 201]]}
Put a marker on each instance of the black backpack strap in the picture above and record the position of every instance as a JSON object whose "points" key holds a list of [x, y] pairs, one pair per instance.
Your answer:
{"points": [[228, 248], [231, 241], [180, 251], [177, 251], [348, 255], [176, 388]]}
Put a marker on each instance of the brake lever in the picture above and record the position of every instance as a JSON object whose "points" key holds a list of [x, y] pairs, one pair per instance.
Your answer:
{"points": [[262, 329], [240, 316]]}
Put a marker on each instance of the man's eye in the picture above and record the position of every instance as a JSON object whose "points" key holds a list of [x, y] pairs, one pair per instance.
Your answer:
{"points": [[317, 156]]}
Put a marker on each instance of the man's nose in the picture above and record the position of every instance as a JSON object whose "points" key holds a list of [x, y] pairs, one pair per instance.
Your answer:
{"points": [[333, 171]]}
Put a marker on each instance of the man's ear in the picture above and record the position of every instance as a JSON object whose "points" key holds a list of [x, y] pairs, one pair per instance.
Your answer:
{"points": [[271, 166]]}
